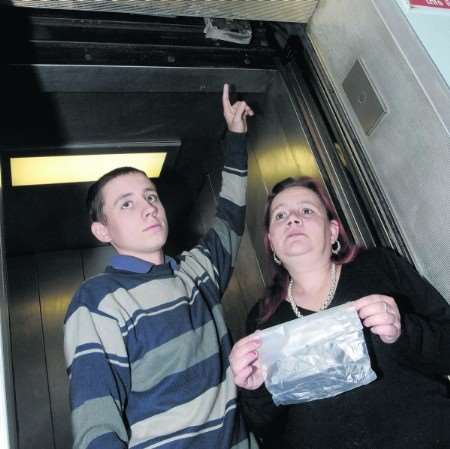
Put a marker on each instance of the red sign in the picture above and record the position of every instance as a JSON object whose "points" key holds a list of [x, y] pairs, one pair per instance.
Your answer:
{"points": [[444, 4]]}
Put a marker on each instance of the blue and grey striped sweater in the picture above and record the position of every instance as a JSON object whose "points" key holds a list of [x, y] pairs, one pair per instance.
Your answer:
{"points": [[147, 353]]}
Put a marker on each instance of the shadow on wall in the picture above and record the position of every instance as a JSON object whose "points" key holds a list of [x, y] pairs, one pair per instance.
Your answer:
{"points": [[24, 105], [28, 119]]}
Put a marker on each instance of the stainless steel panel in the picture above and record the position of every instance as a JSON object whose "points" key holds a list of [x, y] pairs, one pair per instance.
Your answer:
{"points": [[366, 102], [234, 309], [41, 289], [256, 195], [7, 411], [93, 78], [60, 274], [35, 427], [249, 274], [285, 11], [408, 152], [279, 148], [96, 259]]}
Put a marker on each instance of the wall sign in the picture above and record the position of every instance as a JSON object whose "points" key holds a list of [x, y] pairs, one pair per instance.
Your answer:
{"points": [[443, 4]]}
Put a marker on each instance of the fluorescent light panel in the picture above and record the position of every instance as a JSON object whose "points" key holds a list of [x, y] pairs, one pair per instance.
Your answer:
{"points": [[29, 171]]}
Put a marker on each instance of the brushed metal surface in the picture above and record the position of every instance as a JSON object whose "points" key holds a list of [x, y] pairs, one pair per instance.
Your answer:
{"points": [[35, 428], [8, 435], [363, 97], [408, 152], [101, 78], [94, 260], [284, 11], [60, 274]]}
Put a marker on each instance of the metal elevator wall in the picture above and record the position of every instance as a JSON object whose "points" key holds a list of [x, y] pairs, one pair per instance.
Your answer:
{"points": [[41, 286], [7, 410], [40, 289], [408, 151]]}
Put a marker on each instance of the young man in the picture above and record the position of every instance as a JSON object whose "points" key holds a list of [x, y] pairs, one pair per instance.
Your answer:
{"points": [[145, 342]]}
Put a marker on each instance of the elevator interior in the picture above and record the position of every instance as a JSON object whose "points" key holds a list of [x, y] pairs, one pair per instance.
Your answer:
{"points": [[92, 82], [113, 83]]}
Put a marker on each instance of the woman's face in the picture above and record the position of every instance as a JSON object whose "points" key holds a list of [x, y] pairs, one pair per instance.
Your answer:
{"points": [[299, 225]]}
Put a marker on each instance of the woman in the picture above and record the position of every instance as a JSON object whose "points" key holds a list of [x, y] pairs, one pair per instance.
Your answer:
{"points": [[407, 331]]}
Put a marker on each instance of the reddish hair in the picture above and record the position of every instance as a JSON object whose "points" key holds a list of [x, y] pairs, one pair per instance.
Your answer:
{"points": [[277, 290]]}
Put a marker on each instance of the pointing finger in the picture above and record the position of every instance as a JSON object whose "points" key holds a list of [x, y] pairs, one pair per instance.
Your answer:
{"points": [[226, 97]]}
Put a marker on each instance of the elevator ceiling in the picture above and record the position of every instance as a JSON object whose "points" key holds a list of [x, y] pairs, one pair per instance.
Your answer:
{"points": [[76, 80]]}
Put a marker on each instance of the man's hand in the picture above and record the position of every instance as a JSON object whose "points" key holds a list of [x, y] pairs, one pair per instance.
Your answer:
{"points": [[235, 114]]}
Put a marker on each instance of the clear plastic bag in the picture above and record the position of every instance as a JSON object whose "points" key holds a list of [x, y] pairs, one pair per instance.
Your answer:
{"points": [[315, 357]]}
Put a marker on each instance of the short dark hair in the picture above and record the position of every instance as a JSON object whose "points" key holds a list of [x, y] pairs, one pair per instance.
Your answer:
{"points": [[94, 197]]}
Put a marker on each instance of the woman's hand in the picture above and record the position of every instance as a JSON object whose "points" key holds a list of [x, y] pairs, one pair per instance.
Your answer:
{"points": [[245, 364], [235, 114], [380, 313]]}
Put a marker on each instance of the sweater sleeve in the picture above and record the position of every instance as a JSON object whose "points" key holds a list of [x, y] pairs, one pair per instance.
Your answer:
{"points": [[98, 377], [425, 340], [221, 243]]}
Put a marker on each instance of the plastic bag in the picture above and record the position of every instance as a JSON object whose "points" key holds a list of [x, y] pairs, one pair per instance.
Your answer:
{"points": [[315, 357]]}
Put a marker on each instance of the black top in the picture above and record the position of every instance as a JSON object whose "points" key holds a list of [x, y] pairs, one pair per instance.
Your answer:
{"points": [[407, 406]]}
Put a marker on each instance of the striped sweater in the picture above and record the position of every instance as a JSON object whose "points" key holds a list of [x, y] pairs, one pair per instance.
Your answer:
{"points": [[147, 352]]}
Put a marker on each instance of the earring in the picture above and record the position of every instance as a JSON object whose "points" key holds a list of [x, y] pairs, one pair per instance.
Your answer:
{"points": [[276, 260], [337, 248]]}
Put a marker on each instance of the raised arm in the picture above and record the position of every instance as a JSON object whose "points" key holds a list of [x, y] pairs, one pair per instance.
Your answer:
{"points": [[217, 251], [235, 114]]}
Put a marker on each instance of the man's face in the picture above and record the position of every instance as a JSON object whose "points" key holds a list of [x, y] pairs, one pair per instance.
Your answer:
{"points": [[136, 223]]}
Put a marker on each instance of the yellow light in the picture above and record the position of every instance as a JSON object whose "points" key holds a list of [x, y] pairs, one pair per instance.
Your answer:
{"points": [[28, 171]]}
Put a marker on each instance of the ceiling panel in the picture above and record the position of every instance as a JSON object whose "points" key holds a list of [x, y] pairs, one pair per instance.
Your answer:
{"points": [[281, 10]]}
